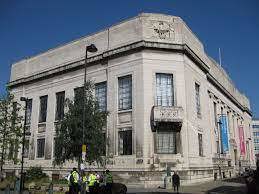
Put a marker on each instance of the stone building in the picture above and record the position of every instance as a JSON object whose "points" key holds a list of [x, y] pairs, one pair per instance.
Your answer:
{"points": [[171, 106], [255, 123]]}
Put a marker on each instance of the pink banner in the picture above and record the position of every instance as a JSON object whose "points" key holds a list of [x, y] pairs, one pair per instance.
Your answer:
{"points": [[241, 140]]}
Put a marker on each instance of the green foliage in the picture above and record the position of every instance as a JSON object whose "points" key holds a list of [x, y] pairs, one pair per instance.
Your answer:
{"points": [[35, 173], [11, 128], [69, 138]]}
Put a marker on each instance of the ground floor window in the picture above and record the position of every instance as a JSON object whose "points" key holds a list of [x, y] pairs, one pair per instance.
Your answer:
{"points": [[200, 144], [125, 141], [166, 142], [40, 147], [26, 148]]}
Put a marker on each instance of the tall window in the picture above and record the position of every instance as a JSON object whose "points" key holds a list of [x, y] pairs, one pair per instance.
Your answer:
{"points": [[197, 98], [40, 148], [125, 141], [43, 108], [26, 148], [101, 95], [60, 100], [166, 142], [28, 111], [200, 144], [215, 114], [125, 92], [164, 90], [78, 93]]}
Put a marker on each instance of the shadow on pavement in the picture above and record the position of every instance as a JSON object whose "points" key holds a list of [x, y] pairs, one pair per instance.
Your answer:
{"points": [[236, 180], [228, 190]]}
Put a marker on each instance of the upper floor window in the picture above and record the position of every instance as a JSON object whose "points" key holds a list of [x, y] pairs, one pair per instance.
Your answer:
{"points": [[164, 90], [60, 102], [255, 126], [43, 108], [28, 111], [215, 114], [101, 95], [78, 93], [125, 92], [197, 98]]}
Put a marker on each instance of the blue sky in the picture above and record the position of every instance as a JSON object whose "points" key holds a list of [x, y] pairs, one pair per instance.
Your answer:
{"points": [[29, 27]]}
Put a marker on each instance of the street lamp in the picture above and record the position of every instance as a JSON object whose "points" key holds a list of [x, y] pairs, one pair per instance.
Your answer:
{"points": [[92, 49], [23, 141]]}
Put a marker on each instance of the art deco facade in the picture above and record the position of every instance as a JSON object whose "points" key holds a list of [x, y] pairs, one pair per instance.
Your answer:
{"points": [[255, 123], [170, 104]]}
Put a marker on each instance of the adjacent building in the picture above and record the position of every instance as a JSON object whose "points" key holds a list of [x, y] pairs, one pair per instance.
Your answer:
{"points": [[171, 106], [256, 137]]}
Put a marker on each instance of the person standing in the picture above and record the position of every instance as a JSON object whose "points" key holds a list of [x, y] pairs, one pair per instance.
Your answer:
{"points": [[176, 181], [108, 181], [84, 182], [92, 183], [74, 182]]}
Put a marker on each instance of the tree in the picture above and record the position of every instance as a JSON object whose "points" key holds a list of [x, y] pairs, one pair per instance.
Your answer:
{"points": [[11, 129], [69, 138]]}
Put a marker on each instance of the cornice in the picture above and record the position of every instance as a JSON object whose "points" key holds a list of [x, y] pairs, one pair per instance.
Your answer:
{"points": [[113, 53]]}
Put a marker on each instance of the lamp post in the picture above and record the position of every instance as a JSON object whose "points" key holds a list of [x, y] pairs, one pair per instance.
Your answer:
{"points": [[23, 142], [92, 49]]}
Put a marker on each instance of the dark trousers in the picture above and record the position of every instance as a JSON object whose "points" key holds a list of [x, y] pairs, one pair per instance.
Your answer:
{"points": [[91, 190], [74, 189], [176, 186], [108, 188]]}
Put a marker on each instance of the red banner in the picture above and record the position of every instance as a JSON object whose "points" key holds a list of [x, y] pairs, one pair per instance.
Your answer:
{"points": [[241, 140]]}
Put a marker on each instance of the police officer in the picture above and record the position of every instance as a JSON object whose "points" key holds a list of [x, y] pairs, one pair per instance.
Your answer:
{"points": [[108, 180], [92, 183], [74, 182], [84, 182]]}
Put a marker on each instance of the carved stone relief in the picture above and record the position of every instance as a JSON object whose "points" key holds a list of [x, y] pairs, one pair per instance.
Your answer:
{"points": [[163, 30]]}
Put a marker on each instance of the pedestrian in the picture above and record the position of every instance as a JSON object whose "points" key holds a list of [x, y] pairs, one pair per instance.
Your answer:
{"points": [[84, 182], [92, 183], [176, 181], [108, 182], [97, 182], [74, 182]]}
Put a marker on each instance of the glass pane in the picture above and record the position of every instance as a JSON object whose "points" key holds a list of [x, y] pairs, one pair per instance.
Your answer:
{"points": [[164, 90], [125, 93]]}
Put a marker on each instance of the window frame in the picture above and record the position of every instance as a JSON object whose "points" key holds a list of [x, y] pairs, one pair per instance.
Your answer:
{"points": [[125, 151], [198, 99], [60, 109], [97, 85], [166, 134], [200, 144], [121, 94], [44, 147], [169, 102], [43, 118]]}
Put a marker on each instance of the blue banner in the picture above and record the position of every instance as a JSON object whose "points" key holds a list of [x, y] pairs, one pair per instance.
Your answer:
{"points": [[224, 133]]}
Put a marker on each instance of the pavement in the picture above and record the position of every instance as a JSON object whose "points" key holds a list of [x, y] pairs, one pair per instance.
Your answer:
{"points": [[212, 187]]}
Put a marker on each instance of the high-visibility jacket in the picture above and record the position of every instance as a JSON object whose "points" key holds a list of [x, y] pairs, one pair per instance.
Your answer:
{"points": [[108, 177], [91, 180], [84, 179], [75, 176]]}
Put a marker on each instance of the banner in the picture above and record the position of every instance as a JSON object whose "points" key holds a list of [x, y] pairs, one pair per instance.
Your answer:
{"points": [[224, 133], [241, 140]]}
